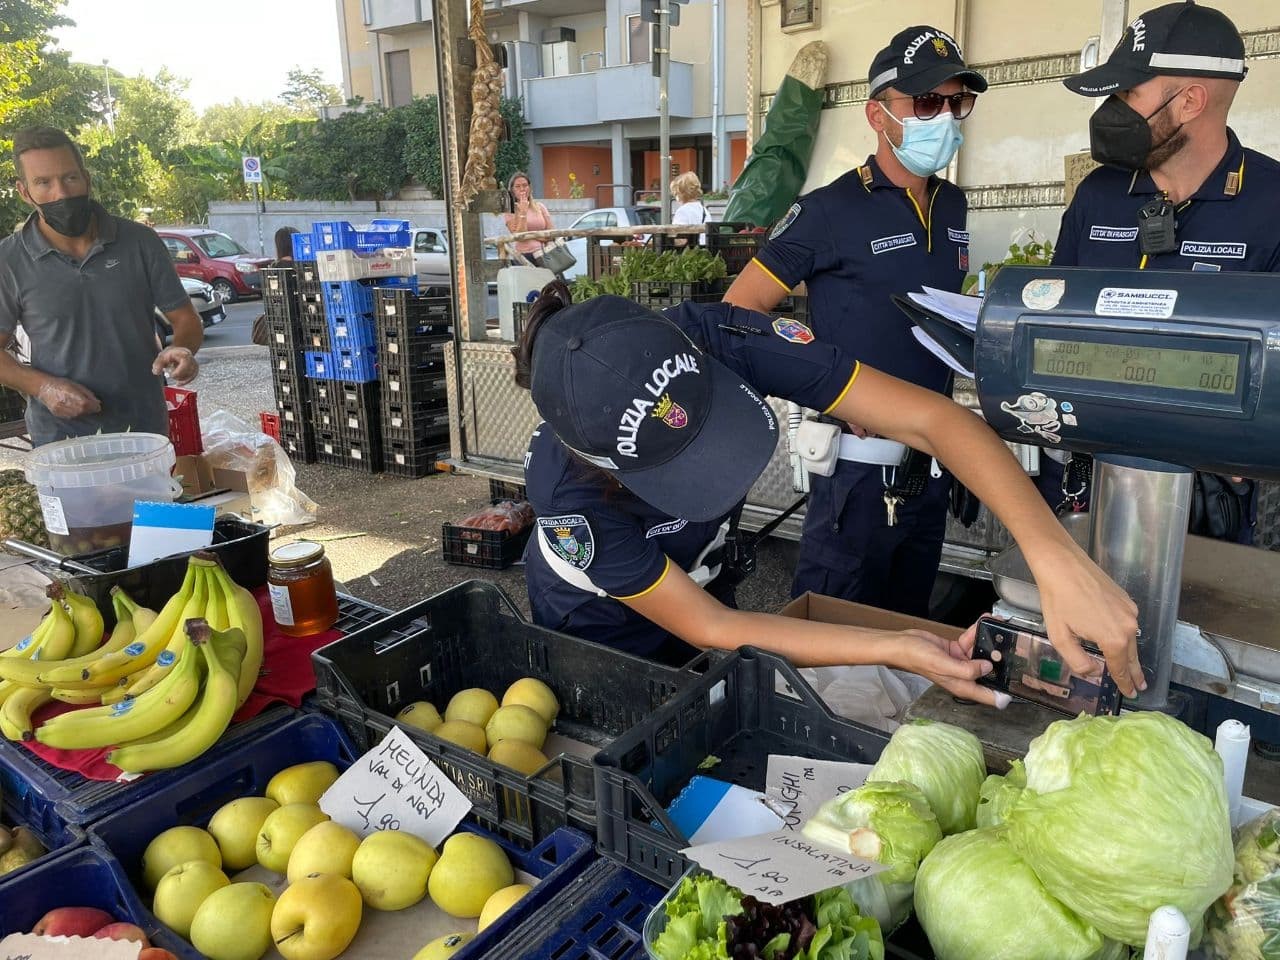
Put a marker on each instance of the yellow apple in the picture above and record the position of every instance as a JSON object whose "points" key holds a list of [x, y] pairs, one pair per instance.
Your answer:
{"points": [[500, 902], [234, 922], [533, 693], [326, 848], [473, 705], [444, 947], [174, 846], [282, 829], [518, 755], [235, 826], [464, 733], [471, 869], [391, 869], [302, 783], [516, 722], [316, 918], [182, 890], [421, 715]]}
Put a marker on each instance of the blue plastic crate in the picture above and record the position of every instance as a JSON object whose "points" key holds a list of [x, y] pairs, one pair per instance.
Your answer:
{"points": [[341, 235], [320, 365], [347, 298], [398, 283], [303, 247], [83, 877], [556, 862], [601, 917], [56, 836], [355, 364], [352, 332]]}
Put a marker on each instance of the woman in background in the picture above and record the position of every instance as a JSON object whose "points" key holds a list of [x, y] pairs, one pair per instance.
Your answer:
{"points": [[526, 214]]}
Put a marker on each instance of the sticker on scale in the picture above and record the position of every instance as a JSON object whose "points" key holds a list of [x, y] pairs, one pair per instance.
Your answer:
{"points": [[281, 605], [1043, 294], [1135, 302], [55, 520]]}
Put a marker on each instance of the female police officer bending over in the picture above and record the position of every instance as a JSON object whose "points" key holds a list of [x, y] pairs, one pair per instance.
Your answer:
{"points": [[655, 429]]}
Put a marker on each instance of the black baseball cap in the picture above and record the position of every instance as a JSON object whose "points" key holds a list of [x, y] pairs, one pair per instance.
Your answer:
{"points": [[627, 391], [919, 59], [1179, 39]]}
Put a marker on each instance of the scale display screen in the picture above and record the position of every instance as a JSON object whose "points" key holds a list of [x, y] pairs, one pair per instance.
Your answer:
{"points": [[1202, 371]]}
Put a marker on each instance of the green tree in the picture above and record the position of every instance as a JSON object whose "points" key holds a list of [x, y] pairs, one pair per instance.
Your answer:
{"points": [[232, 121], [155, 111], [126, 176], [423, 159], [513, 150], [356, 156], [305, 90]]}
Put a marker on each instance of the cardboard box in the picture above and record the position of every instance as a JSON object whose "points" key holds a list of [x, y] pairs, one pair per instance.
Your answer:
{"points": [[813, 606], [195, 473], [236, 480]]}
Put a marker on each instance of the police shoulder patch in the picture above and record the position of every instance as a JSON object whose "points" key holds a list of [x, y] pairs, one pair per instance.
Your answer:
{"points": [[787, 220], [792, 330], [570, 538]]}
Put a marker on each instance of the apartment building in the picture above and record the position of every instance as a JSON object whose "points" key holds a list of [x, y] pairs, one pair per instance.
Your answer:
{"points": [[584, 71]]}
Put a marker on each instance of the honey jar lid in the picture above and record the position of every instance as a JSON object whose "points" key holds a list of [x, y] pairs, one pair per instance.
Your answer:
{"points": [[296, 554]]}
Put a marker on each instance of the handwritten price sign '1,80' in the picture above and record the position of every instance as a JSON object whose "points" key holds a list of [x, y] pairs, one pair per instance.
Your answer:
{"points": [[395, 786]]}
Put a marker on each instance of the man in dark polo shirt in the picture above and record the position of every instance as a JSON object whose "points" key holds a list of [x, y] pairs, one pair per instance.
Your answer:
{"points": [[1170, 161], [84, 284], [884, 228]]}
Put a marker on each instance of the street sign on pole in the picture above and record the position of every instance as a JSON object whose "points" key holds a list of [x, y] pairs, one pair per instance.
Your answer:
{"points": [[252, 168], [650, 11]]}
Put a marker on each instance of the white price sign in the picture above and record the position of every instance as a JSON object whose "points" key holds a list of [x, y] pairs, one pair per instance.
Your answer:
{"points": [[27, 946], [808, 784], [395, 786], [252, 168], [779, 867]]}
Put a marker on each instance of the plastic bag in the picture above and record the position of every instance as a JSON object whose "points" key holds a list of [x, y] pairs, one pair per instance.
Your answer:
{"points": [[231, 444], [1245, 922], [875, 695], [510, 516]]}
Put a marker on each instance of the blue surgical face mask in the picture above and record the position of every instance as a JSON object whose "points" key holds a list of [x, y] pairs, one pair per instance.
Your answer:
{"points": [[927, 145]]}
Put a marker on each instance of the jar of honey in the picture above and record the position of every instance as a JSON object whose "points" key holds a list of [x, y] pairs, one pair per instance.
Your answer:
{"points": [[303, 597]]}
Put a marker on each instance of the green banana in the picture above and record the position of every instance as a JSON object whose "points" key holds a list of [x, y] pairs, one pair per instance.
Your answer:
{"points": [[244, 614], [212, 714], [143, 651], [84, 616], [149, 677], [137, 717], [15, 713]]}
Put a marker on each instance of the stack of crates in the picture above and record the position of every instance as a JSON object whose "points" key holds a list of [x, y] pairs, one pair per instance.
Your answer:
{"points": [[411, 336], [282, 306]]}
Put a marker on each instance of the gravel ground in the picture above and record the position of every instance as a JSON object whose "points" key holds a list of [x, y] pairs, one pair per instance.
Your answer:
{"points": [[382, 533]]}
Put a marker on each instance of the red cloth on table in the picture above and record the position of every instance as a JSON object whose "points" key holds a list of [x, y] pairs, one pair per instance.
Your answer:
{"points": [[286, 677]]}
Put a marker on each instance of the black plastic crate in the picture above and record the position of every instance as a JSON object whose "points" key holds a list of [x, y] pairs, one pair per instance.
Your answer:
{"points": [[506, 490], [429, 430], [293, 414], [284, 331], [280, 293], [299, 444], [287, 361], [414, 387], [337, 449], [672, 241], [472, 635], [315, 333], [744, 708], [395, 349], [407, 420], [672, 290], [661, 303], [405, 309], [486, 549], [414, 458], [735, 248], [297, 392], [359, 397], [308, 275], [604, 257]]}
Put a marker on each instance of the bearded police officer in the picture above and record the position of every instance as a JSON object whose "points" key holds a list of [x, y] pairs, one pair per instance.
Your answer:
{"points": [[1177, 190], [873, 531]]}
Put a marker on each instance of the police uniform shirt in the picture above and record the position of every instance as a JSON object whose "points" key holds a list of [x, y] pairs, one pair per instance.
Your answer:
{"points": [[1228, 224], [858, 241], [622, 544]]}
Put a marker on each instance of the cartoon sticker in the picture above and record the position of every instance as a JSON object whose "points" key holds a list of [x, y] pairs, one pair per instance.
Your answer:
{"points": [[1043, 294], [788, 219], [569, 538], [793, 331], [1036, 414]]}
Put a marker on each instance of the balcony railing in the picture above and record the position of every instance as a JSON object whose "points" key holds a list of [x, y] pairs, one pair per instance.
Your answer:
{"points": [[610, 95]]}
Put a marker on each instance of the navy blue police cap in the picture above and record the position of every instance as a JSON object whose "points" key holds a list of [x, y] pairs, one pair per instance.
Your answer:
{"points": [[1180, 39], [627, 391], [918, 59]]}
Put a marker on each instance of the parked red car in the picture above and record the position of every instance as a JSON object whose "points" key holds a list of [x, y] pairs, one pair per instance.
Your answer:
{"points": [[216, 259]]}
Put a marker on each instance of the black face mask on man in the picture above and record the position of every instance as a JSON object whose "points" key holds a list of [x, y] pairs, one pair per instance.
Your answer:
{"points": [[1119, 136], [69, 216]]}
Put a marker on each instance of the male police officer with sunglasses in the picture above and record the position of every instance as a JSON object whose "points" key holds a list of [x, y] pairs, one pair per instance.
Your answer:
{"points": [[1178, 191], [873, 531]]}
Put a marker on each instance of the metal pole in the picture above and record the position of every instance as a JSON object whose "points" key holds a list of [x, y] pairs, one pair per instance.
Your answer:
{"points": [[664, 112], [1139, 527], [257, 212]]}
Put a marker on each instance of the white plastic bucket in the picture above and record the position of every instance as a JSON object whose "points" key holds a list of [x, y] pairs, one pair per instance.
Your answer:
{"points": [[88, 486]]}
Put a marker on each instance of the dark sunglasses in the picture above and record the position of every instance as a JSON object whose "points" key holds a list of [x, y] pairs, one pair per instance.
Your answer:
{"points": [[928, 105]]}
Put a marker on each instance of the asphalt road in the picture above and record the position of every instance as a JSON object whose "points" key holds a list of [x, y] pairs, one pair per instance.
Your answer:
{"points": [[237, 329]]}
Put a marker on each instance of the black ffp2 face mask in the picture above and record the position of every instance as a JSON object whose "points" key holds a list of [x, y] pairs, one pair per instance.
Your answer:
{"points": [[69, 216], [1119, 136]]}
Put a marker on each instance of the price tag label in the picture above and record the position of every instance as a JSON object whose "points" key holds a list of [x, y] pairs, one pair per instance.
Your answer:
{"points": [[779, 867], [808, 784], [395, 786], [27, 946]]}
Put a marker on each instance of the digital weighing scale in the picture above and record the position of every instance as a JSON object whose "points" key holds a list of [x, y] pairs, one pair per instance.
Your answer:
{"points": [[1155, 374]]}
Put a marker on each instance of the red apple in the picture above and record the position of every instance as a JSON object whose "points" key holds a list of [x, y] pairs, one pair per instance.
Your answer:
{"points": [[156, 953], [122, 931], [72, 922]]}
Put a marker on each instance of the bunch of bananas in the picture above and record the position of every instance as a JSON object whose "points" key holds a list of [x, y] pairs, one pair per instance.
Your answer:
{"points": [[162, 689]]}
